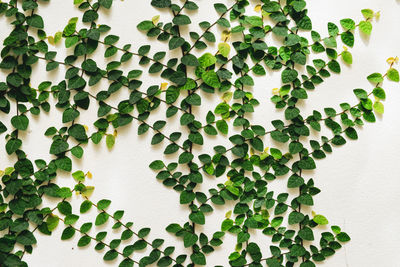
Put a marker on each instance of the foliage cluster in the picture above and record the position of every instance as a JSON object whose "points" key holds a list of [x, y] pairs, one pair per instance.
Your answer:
{"points": [[228, 73]]}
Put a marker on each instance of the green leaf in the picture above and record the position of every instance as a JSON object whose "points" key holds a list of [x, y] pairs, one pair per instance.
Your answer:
{"points": [[320, 219], [79, 176], [289, 75], [106, 3], [110, 141], [347, 57], [103, 204], [84, 241], [211, 78], [343, 237], [348, 24], [347, 38], [161, 3], [101, 218], [295, 181], [190, 60], [145, 25], [254, 21], [295, 217], [85, 206], [197, 217], [156, 165], [366, 27], [207, 60], [13, 145], [175, 42], [181, 20], [307, 163], [52, 222], [110, 255], [35, 21], [26, 238], [70, 219], [20, 122], [367, 13], [58, 146], [222, 126], [379, 107], [189, 240], [198, 258], [393, 75], [306, 234], [224, 49], [379, 93], [375, 78], [67, 233]]}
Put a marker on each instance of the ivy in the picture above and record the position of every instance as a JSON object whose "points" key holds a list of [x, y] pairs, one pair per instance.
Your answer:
{"points": [[199, 69]]}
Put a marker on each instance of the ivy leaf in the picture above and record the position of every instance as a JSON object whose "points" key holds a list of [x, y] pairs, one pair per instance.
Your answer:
{"points": [[366, 27], [190, 60], [58, 146], [26, 238], [161, 3], [320, 219], [35, 21], [181, 20], [20, 122], [289, 75], [379, 107], [347, 57], [211, 78], [197, 217], [224, 49], [207, 60], [375, 78], [110, 141], [393, 75], [254, 21]]}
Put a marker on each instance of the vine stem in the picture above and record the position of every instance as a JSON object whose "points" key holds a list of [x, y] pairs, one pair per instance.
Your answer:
{"points": [[125, 226], [93, 238]]}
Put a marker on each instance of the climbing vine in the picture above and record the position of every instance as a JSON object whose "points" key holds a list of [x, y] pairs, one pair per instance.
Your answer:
{"points": [[192, 67]]}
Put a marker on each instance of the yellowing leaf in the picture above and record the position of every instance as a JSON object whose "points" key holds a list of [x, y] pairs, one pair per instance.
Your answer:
{"points": [[89, 175], [9, 170], [265, 13], [257, 8], [163, 86], [251, 151], [377, 15], [227, 96], [1, 173], [52, 222], [115, 133], [226, 35], [57, 37], [51, 40], [224, 49], [86, 128], [155, 19], [88, 191], [110, 141], [228, 214], [379, 107], [275, 91], [392, 60]]}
